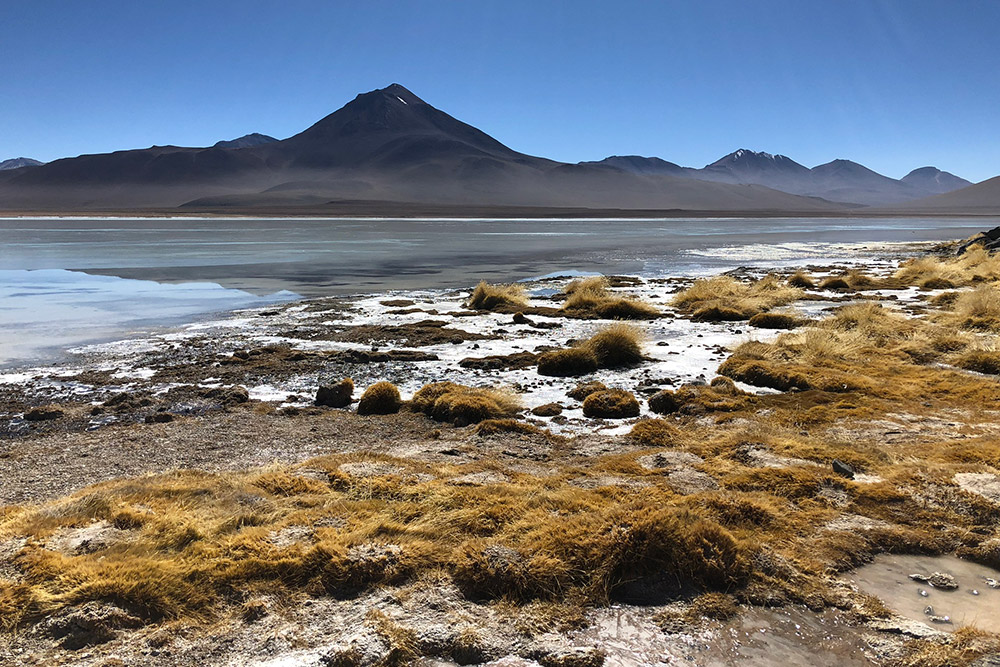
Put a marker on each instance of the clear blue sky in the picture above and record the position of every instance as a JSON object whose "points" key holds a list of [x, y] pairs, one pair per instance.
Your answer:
{"points": [[892, 84]]}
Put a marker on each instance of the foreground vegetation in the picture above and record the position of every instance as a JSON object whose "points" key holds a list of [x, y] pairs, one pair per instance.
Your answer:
{"points": [[727, 497]]}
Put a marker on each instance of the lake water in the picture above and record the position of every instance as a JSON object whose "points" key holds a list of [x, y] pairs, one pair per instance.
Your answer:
{"points": [[64, 281]]}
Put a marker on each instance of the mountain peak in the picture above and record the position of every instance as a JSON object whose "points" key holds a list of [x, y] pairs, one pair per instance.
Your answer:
{"points": [[393, 93], [934, 180], [247, 140], [18, 162], [744, 158]]}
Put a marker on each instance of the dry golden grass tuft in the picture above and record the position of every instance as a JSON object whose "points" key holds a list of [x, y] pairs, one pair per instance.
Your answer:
{"points": [[978, 309], [461, 405], [497, 297], [654, 433], [611, 404], [591, 296], [500, 426], [801, 280], [775, 320], [382, 398], [616, 345], [726, 298], [571, 362], [973, 266], [612, 346]]}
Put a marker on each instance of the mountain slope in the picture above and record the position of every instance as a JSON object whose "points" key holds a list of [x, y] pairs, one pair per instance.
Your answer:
{"points": [[839, 180], [934, 181], [979, 199], [385, 145]]}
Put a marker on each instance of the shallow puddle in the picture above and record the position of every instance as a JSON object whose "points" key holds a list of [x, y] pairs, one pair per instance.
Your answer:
{"points": [[974, 603], [789, 636]]}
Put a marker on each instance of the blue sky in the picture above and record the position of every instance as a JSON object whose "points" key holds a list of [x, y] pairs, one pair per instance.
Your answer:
{"points": [[892, 84]]}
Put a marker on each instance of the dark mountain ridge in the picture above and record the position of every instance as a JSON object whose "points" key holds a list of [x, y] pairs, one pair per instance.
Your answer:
{"points": [[390, 145], [839, 180]]}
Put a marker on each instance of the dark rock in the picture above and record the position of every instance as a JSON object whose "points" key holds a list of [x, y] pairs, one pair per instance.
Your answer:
{"points": [[335, 395], [229, 395], [940, 580], [43, 414], [515, 361], [159, 418], [371, 357], [92, 623], [521, 318], [843, 469], [990, 240], [547, 410]]}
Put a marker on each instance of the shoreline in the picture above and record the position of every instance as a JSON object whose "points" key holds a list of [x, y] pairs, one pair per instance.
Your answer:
{"points": [[403, 210]]}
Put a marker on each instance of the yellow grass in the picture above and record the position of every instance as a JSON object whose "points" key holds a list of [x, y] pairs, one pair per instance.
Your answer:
{"points": [[726, 298], [592, 296], [497, 297], [450, 402], [974, 265]]}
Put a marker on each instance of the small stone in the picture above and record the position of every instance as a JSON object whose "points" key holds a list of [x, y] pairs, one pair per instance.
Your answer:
{"points": [[843, 469], [547, 410]]}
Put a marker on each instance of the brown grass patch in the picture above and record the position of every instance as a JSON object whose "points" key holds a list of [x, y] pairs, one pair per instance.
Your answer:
{"points": [[777, 321], [592, 296], [726, 298], [973, 266], [497, 297], [571, 362], [611, 404], [382, 398], [654, 433]]}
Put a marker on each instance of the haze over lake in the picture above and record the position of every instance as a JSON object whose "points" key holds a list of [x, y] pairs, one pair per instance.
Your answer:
{"points": [[68, 281]]}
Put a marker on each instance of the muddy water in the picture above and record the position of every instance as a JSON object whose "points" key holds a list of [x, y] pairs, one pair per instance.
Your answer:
{"points": [[888, 579], [793, 635], [789, 636]]}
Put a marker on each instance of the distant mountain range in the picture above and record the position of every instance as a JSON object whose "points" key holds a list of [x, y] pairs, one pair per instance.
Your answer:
{"points": [[18, 162], [390, 146], [839, 181]]}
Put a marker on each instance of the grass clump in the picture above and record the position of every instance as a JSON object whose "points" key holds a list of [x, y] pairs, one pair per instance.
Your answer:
{"points": [[613, 346], [585, 389], [616, 345], [497, 297], [835, 283], [973, 266], [976, 309], [981, 361], [611, 404], [777, 321], [461, 405], [724, 298], [382, 398], [571, 362], [664, 402], [591, 296], [801, 280], [654, 433], [337, 395]]}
